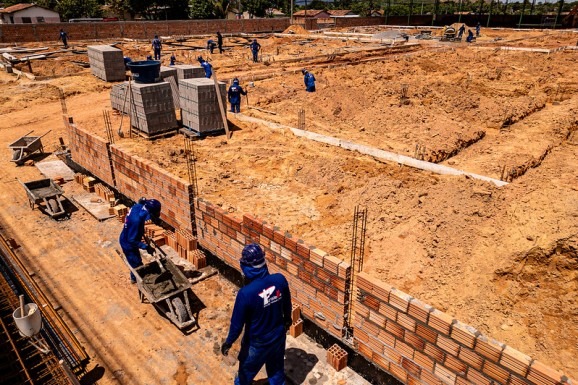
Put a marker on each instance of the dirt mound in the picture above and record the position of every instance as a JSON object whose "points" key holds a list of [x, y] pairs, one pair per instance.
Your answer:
{"points": [[296, 29]]}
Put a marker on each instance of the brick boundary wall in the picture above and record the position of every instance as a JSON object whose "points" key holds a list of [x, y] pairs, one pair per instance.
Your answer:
{"points": [[401, 335], [319, 282], [14, 33], [358, 21], [91, 152], [421, 345], [137, 177]]}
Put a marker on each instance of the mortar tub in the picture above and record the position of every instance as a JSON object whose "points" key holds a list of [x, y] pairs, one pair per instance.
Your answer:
{"points": [[30, 324], [146, 71]]}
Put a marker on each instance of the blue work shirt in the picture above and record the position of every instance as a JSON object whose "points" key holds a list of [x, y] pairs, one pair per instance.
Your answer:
{"points": [[309, 79], [255, 47], [235, 92], [134, 227], [262, 307], [208, 69]]}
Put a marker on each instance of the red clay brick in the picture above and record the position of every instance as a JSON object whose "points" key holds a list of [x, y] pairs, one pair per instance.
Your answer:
{"points": [[464, 334], [419, 310], [427, 333], [440, 321], [447, 376], [399, 300], [423, 361], [398, 372], [471, 358], [406, 322], [380, 361], [515, 361], [455, 365], [489, 347], [414, 340], [541, 374], [496, 372], [434, 352]]}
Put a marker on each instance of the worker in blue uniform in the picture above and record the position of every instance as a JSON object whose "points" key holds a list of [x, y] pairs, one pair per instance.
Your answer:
{"points": [[131, 236], [470, 37], [173, 59], [234, 96], [206, 66], [255, 48], [309, 80], [263, 309], [157, 45]]}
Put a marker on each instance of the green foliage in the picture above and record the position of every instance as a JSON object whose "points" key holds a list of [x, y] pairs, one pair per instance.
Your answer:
{"points": [[201, 9], [70, 9], [256, 7]]}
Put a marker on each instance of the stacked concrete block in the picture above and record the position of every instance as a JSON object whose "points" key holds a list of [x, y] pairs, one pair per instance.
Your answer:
{"points": [[187, 71], [117, 97], [106, 63], [167, 72], [200, 110], [152, 110], [169, 75]]}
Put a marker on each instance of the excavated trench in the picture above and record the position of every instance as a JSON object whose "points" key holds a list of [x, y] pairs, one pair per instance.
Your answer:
{"points": [[440, 155]]}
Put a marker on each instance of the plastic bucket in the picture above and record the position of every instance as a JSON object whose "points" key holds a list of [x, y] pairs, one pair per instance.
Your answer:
{"points": [[31, 323], [146, 71]]}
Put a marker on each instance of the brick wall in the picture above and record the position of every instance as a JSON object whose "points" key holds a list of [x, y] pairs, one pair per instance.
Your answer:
{"points": [[91, 152], [421, 345], [11, 33], [319, 282], [358, 21], [137, 177]]}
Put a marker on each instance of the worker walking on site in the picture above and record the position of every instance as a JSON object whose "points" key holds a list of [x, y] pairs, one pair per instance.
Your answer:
{"points": [[157, 46], [234, 96], [131, 236], [255, 48], [461, 31], [64, 37], [206, 66], [263, 309], [309, 80], [220, 42]]}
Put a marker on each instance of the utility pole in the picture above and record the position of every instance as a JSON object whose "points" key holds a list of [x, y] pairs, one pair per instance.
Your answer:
{"points": [[558, 14]]}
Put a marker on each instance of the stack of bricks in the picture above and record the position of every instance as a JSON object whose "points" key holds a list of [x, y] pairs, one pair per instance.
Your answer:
{"points": [[171, 239], [296, 328], [105, 193], [186, 242], [197, 258], [136, 177], [421, 345], [337, 357], [88, 184], [319, 282], [187, 71], [152, 109], [200, 110], [117, 97], [156, 233], [91, 152], [79, 178], [119, 211], [106, 63]]}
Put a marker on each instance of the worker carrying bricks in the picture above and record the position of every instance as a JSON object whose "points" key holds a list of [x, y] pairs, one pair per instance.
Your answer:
{"points": [[157, 46], [234, 96], [206, 66], [131, 236], [64, 37], [309, 80], [263, 309], [255, 48]]}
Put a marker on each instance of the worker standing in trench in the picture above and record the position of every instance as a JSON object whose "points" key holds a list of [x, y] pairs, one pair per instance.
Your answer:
{"points": [[255, 48], [309, 80], [131, 236], [263, 309]]}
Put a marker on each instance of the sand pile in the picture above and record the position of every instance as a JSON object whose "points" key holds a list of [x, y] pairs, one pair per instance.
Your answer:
{"points": [[297, 30]]}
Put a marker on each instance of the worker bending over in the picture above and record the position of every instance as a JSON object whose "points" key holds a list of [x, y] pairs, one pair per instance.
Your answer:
{"points": [[131, 236], [234, 96], [309, 80], [206, 66], [263, 309]]}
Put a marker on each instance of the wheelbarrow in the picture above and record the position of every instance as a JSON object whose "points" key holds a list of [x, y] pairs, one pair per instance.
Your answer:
{"points": [[24, 147], [162, 284], [47, 192]]}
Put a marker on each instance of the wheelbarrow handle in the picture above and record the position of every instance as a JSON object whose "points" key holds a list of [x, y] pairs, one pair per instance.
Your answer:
{"points": [[44, 134]]}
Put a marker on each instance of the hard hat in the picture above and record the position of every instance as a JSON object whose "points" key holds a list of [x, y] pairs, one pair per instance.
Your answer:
{"points": [[253, 256], [235, 81], [153, 206]]}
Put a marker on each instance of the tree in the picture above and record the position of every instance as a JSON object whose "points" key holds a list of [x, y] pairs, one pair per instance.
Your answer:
{"points": [[70, 9], [256, 7], [201, 9]]}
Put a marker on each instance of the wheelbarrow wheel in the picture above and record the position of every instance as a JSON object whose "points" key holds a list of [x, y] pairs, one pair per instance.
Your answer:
{"points": [[180, 310], [53, 205], [16, 154]]}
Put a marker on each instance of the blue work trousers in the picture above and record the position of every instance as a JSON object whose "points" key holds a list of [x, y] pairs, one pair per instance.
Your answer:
{"points": [[254, 356], [255, 56], [157, 54], [236, 107], [134, 259]]}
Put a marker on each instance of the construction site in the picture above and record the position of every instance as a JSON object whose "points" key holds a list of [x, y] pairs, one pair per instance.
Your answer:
{"points": [[421, 203]]}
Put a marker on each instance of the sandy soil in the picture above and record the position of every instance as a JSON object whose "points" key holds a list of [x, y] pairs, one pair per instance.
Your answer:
{"points": [[501, 259]]}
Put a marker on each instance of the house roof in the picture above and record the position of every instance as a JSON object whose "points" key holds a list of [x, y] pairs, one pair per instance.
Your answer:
{"points": [[310, 12], [17, 7], [339, 12]]}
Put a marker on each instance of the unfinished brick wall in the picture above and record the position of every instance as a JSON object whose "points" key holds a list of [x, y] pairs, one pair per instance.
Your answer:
{"points": [[137, 177], [91, 152], [421, 345], [13, 33], [358, 21], [319, 282]]}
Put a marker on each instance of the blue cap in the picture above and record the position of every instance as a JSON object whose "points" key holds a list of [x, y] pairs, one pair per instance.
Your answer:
{"points": [[253, 256], [153, 206]]}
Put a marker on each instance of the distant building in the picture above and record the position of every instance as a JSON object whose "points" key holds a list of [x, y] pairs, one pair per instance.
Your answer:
{"points": [[28, 14], [273, 12], [341, 13], [312, 13], [377, 13]]}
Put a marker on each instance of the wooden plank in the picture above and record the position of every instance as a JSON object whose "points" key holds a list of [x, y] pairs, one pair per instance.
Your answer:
{"points": [[221, 107]]}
